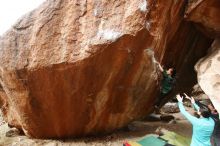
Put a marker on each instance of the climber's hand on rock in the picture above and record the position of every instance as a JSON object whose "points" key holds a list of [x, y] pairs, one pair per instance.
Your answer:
{"points": [[160, 67]]}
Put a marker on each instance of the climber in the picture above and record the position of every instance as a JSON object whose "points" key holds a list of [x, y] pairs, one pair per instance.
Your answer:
{"points": [[202, 127], [166, 86]]}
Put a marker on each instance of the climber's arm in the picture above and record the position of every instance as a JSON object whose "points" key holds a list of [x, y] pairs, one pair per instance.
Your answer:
{"points": [[160, 67]]}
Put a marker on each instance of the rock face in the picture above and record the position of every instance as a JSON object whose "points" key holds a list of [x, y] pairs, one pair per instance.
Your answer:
{"points": [[73, 68], [209, 74], [206, 15]]}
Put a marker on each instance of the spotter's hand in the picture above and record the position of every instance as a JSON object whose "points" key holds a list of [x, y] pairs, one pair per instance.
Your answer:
{"points": [[179, 98], [191, 99]]}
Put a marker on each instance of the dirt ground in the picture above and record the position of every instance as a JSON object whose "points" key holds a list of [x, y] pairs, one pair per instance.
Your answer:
{"points": [[134, 131]]}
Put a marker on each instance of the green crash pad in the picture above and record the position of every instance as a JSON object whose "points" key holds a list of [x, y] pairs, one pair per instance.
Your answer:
{"points": [[169, 138], [151, 141], [176, 139]]}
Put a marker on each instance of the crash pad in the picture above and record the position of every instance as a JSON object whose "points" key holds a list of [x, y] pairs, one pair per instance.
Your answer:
{"points": [[168, 138], [176, 139], [147, 141]]}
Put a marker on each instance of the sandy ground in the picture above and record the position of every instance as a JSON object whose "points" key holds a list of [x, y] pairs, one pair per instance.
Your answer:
{"points": [[135, 131]]}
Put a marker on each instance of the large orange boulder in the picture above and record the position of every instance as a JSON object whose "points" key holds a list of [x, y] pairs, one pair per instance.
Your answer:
{"points": [[73, 68]]}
